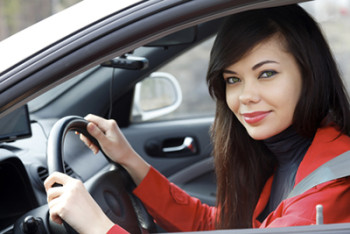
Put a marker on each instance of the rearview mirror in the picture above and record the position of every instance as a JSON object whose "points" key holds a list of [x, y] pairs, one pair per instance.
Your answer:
{"points": [[155, 96]]}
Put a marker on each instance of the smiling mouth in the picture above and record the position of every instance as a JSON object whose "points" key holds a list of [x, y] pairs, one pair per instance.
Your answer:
{"points": [[255, 117]]}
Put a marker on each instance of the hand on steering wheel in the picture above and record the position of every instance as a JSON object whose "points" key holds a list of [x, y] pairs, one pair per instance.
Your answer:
{"points": [[73, 203], [109, 137]]}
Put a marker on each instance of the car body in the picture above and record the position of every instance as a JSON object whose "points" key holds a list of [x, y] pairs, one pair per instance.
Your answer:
{"points": [[67, 71]]}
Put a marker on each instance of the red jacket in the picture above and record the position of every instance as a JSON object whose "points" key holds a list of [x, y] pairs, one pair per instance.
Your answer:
{"points": [[175, 210]]}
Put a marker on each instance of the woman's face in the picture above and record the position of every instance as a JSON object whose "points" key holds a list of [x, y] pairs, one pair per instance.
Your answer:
{"points": [[263, 88]]}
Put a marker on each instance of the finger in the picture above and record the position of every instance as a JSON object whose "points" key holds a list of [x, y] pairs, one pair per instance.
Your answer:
{"points": [[94, 148], [54, 212], [54, 203], [56, 218], [102, 123], [53, 193], [94, 118], [96, 132], [56, 177], [84, 139]]}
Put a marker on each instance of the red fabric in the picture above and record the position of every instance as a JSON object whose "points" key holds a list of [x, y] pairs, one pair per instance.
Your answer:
{"points": [[175, 210], [333, 195], [116, 229]]}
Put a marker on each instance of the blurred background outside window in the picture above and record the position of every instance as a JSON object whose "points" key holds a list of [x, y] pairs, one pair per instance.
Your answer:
{"points": [[16, 15]]}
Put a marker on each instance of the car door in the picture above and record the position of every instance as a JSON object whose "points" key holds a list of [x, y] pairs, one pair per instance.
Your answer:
{"points": [[192, 171]]}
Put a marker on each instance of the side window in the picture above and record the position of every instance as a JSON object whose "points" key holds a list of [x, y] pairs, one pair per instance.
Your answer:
{"points": [[334, 20], [189, 70]]}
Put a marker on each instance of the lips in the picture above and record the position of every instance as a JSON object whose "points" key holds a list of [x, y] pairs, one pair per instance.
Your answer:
{"points": [[255, 117]]}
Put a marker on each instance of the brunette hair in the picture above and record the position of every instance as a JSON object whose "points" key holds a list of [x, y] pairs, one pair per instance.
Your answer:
{"points": [[243, 164]]}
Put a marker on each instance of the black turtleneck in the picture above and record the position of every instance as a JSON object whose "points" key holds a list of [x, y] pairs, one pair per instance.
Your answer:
{"points": [[289, 149]]}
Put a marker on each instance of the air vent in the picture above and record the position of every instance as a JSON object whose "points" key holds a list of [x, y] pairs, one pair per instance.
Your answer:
{"points": [[43, 172], [69, 170]]}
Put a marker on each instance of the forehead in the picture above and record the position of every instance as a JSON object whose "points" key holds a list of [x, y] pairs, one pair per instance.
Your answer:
{"points": [[271, 48]]}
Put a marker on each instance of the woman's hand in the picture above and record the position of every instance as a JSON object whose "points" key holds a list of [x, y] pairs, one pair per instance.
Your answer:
{"points": [[115, 145], [110, 138], [72, 203]]}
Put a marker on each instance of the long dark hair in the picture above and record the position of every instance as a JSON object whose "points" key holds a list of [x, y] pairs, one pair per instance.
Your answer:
{"points": [[243, 164]]}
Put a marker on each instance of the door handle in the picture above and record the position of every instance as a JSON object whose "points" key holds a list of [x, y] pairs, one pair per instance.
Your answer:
{"points": [[188, 145]]}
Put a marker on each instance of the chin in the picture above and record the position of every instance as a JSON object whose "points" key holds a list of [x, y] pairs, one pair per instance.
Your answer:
{"points": [[261, 133], [260, 137]]}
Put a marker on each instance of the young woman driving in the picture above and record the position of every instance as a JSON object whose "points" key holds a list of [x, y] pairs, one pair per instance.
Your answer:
{"points": [[282, 111]]}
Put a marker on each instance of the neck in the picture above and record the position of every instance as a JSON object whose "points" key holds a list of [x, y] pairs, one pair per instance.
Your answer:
{"points": [[289, 148]]}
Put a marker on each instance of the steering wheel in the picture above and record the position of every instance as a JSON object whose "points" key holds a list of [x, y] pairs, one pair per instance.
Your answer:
{"points": [[111, 190]]}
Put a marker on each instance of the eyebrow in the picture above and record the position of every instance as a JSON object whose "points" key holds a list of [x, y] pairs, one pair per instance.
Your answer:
{"points": [[256, 66]]}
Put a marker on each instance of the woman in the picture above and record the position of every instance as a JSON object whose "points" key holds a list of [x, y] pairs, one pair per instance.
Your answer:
{"points": [[282, 111]]}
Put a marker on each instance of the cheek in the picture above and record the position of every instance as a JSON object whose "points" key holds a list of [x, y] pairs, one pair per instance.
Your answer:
{"points": [[232, 101], [286, 99]]}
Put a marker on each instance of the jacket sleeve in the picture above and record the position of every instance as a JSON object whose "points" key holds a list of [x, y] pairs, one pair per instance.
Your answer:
{"points": [[334, 196], [171, 207], [116, 229]]}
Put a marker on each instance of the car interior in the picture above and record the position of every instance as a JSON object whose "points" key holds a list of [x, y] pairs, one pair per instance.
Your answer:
{"points": [[89, 92], [109, 89]]}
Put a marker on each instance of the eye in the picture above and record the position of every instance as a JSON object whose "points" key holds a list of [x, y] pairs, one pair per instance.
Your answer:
{"points": [[267, 74], [232, 80]]}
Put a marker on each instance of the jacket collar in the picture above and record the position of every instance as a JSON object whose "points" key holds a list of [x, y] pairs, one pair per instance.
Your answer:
{"points": [[326, 145]]}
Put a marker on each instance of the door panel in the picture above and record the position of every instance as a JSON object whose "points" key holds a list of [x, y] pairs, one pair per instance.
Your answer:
{"points": [[198, 180], [194, 172]]}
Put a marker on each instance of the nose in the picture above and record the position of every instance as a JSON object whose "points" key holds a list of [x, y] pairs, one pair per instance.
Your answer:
{"points": [[249, 94]]}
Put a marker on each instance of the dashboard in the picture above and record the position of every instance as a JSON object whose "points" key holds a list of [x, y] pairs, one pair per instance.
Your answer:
{"points": [[17, 196], [23, 170]]}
